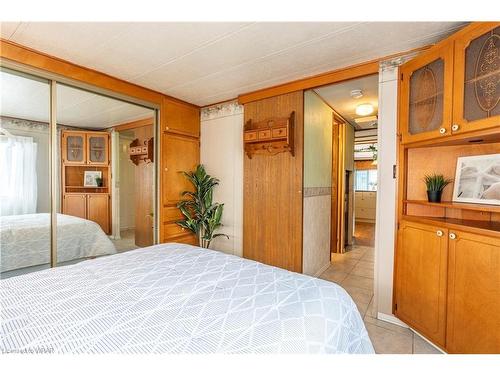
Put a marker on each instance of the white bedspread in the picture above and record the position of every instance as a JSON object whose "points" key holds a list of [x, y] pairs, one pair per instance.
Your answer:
{"points": [[174, 298], [25, 240]]}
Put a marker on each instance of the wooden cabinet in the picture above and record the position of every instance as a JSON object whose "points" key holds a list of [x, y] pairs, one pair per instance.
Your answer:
{"points": [[454, 87], [477, 79], [421, 270], [94, 207], [181, 118], [178, 154], [426, 95], [86, 151], [75, 205], [98, 210], [74, 147], [447, 286], [85, 148], [97, 148], [473, 293]]}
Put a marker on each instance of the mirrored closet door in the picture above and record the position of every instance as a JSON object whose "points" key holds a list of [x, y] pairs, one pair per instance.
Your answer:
{"points": [[25, 205]]}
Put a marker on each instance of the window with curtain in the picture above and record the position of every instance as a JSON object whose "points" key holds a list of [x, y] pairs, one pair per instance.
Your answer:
{"points": [[365, 180], [18, 187]]}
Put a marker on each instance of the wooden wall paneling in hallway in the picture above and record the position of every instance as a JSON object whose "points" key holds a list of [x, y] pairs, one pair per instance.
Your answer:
{"points": [[272, 206]]}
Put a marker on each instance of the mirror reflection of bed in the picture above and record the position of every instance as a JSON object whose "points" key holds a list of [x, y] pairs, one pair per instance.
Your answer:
{"points": [[83, 203]]}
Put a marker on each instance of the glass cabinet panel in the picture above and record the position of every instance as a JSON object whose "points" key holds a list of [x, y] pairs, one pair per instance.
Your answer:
{"points": [[97, 149], [426, 98], [482, 77], [75, 148]]}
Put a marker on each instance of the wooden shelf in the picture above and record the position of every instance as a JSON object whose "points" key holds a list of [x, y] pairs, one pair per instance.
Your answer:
{"points": [[457, 205], [491, 228]]}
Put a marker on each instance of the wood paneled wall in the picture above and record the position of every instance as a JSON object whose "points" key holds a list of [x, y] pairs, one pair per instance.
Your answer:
{"points": [[272, 205]]}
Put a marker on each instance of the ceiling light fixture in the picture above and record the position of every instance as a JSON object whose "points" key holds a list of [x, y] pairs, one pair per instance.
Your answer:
{"points": [[356, 93], [364, 109]]}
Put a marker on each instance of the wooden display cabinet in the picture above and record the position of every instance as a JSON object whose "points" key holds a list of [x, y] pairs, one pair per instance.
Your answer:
{"points": [[86, 151], [447, 256]]}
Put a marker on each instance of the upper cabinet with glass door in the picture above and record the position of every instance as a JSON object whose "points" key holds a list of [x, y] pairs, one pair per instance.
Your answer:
{"points": [[97, 148], [477, 79], [426, 95], [74, 146]]}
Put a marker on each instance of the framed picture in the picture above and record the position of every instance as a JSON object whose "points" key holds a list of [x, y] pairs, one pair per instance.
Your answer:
{"points": [[477, 179], [90, 178]]}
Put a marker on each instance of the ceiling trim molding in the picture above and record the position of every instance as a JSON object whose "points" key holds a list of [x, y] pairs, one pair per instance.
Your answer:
{"points": [[343, 74], [24, 55]]}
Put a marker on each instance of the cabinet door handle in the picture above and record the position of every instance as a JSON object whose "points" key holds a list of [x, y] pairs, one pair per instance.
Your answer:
{"points": [[439, 233], [455, 127], [453, 236], [442, 130]]}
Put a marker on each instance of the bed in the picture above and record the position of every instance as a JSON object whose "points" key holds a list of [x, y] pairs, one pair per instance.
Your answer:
{"points": [[174, 298], [25, 240]]}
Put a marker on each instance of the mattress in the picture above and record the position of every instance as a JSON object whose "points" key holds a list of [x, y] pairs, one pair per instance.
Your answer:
{"points": [[174, 298], [25, 240]]}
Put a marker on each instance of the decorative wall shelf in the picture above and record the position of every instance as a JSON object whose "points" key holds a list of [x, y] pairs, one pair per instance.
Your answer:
{"points": [[270, 137], [145, 151]]}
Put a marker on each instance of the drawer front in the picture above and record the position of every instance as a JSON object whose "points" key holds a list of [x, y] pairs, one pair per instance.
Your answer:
{"points": [[279, 133], [173, 230], [171, 214], [250, 136], [265, 134]]}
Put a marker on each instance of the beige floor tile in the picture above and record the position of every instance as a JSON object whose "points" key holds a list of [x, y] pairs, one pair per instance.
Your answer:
{"points": [[387, 326], [371, 311], [420, 346], [358, 282], [386, 341], [332, 274], [345, 267], [361, 297], [365, 264], [361, 271]]}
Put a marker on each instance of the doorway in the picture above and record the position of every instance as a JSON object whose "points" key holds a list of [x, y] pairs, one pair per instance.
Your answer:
{"points": [[354, 183], [134, 184]]}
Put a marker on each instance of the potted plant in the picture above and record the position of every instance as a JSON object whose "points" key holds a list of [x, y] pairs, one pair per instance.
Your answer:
{"points": [[201, 215], [435, 185], [99, 181]]}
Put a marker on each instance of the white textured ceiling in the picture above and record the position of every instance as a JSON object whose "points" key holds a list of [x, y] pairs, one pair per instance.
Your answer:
{"points": [[339, 98], [28, 99], [204, 63]]}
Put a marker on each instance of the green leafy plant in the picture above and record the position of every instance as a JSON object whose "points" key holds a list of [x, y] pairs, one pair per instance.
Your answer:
{"points": [[436, 182], [201, 215]]}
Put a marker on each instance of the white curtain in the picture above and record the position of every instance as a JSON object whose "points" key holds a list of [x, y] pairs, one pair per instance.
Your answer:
{"points": [[18, 179]]}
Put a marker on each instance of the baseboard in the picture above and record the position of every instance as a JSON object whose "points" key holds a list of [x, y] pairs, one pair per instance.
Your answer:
{"points": [[322, 269], [126, 228], [393, 320]]}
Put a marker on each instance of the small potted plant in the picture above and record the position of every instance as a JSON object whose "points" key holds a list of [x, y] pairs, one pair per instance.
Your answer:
{"points": [[435, 185], [99, 181]]}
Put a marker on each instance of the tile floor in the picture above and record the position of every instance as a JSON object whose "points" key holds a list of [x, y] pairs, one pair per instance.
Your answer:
{"points": [[126, 242], [353, 271]]}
